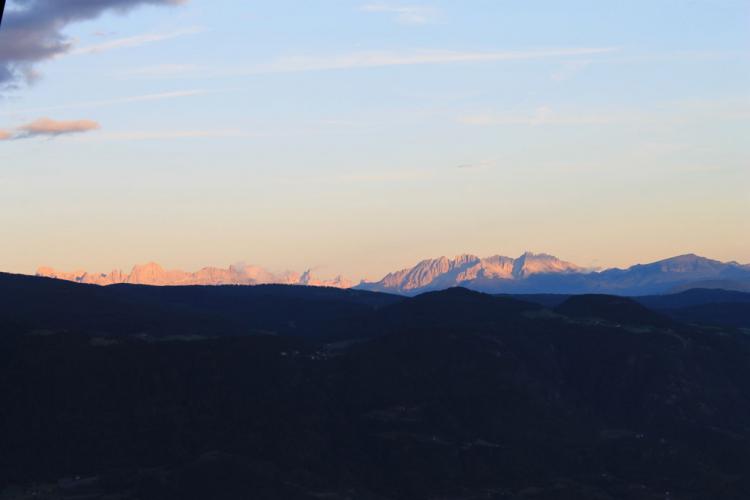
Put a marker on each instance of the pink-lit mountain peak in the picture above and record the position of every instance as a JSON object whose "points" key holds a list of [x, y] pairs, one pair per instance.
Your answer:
{"points": [[444, 272], [154, 274]]}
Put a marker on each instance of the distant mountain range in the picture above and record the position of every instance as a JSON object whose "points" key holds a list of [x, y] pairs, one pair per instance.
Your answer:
{"points": [[542, 273], [154, 274], [529, 273]]}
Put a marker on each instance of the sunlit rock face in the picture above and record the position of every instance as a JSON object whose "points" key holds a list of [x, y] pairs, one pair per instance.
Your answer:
{"points": [[80, 276], [529, 273], [529, 264], [308, 279], [434, 274], [542, 273], [155, 275]]}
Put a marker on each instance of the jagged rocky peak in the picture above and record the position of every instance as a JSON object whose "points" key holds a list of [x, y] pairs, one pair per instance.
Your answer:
{"points": [[530, 263], [544, 273], [425, 272], [433, 274], [154, 274]]}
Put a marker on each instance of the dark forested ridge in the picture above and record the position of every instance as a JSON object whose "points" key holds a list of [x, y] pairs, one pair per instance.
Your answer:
{"points": [[302, 393]]}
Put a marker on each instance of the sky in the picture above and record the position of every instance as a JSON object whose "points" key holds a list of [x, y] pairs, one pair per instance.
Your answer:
{"points": [[358, 137]]}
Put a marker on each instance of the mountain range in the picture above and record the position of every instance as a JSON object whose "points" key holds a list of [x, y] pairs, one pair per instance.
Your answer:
{"points": [[154, 274], [528, 274], [542, 273]]}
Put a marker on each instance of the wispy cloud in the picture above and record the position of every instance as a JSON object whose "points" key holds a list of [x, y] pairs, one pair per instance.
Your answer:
{"points": [[542, 115], [405, 14], [162, 71], [362, 60], [664, 114], [380, 59], [476, 165], [121, 100], [570, 69], [135, 41], [151, 135], [47, 127]]}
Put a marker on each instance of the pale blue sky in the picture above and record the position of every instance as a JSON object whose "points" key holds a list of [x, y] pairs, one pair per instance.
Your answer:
{"points": [[360, 137]]}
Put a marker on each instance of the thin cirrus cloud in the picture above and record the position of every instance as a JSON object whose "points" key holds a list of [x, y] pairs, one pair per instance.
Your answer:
{"points": [[542, 115], [120, 100], [667, 114], [135, 41], [173, 135], [405, 14], [381, 59], [570, 69], [33, 31], [47, 127], [162, 71], [361, 60]]}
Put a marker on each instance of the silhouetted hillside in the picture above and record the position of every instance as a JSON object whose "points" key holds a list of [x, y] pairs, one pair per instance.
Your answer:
{"points": [[55, 305], [454, 307], [611, 308], [452, 394], [705, 306], [693, 297]]}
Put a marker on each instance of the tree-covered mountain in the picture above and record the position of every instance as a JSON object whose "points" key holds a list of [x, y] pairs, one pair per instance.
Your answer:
{"points": [[325, 393]]}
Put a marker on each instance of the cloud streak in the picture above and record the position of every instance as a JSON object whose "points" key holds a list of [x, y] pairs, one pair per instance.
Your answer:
{"points": [[667, 114], [134, 41], [405, 14], [381, 59], [542, 115], [121, 100], [174, 134], [33, 31], [47, 127], [362, 60]]}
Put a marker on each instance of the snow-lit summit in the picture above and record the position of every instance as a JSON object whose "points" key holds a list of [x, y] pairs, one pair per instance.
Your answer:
{"points": [[542, 273], [435, 274], [529, 273], [154, 274]]}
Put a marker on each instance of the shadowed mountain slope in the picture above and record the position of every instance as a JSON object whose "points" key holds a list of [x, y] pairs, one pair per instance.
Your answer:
{"points": [[613, 309], [56, 305], [460, 395]]}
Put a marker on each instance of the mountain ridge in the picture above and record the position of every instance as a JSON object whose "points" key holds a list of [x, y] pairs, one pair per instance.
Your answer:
{"points": [[154, 274], [529, 273], [544, 273]]}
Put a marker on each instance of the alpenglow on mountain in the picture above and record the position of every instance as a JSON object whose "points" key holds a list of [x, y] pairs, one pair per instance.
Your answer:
{"points": [[470, 271], [529, 273], [154, 274], [541, 273]]}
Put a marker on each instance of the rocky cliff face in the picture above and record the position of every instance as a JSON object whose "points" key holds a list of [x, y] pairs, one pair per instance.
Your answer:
{"points": [[542, 273], [434, 274], [154, 274], [529, 273]]}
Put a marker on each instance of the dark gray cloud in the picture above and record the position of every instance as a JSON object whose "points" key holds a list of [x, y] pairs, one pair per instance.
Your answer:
{"points": [[32, 31]]}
